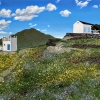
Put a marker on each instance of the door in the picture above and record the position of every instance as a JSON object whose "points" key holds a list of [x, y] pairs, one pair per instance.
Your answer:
{"points": [[8, 47]]}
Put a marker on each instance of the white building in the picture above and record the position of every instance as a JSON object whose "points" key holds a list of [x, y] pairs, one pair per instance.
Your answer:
{"points": [[82, 27], [9, 43]]}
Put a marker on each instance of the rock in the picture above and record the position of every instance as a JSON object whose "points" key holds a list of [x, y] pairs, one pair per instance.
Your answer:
{"points": [[51, 42], [59, 49]]}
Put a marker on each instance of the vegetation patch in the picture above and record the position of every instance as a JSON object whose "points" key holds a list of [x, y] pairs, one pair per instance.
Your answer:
{"points": [[41, 75]]}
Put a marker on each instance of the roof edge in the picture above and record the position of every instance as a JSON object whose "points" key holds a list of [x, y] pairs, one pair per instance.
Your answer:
{"points": [[85, 22]]}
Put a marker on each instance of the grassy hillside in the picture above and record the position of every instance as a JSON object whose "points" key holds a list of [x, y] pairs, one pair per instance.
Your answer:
{"points": [[31, 37], [39, 74]]}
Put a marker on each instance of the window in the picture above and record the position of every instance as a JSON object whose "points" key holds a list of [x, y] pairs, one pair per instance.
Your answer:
{"points": [[84, 29], [89, 30]]}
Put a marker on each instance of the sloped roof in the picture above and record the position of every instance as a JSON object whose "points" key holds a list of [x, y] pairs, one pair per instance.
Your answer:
{"points": [[85, 23]]}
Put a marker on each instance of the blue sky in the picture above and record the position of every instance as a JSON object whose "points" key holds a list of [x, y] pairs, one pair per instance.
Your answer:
{"points": [[54, 17]]}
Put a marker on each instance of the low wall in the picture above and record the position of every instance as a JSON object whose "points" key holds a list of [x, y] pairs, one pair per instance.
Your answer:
{"points": [[82, 35]]}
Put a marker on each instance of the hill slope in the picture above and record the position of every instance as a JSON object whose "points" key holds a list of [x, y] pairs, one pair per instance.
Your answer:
{"points": [[31, 37], [40, 74]]}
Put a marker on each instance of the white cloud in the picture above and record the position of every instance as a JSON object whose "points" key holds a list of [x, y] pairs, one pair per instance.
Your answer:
{"points": [[32, 25], [81, 3], [38, 29], [4, 24], [57, 1], [48, 25], [44, 30], [9, 21], [5, 13], [28, 13], [10, 33], [31, 11], [2, 32], [95, 6], [65, 13], [51, 7]]}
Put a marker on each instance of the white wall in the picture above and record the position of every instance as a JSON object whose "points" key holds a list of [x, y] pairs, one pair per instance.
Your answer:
{"points": [[87, 26], [78, 27], [9, 40], [5, 45], [13, 44]]}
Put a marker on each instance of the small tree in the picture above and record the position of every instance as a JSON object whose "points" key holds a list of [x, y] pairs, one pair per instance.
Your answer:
{"points": [[96, 27]]}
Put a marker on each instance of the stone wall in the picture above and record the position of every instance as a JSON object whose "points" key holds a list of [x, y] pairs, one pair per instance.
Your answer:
{"points": [[81, 35]]}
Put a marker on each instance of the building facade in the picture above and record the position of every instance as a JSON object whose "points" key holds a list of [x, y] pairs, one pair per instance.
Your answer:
{"points": [[82, 27], [9, 43]]}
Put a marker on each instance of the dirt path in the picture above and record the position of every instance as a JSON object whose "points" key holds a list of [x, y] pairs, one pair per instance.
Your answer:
{"points": [[5, 73]]}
